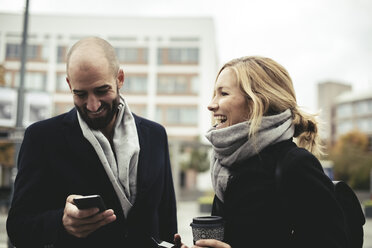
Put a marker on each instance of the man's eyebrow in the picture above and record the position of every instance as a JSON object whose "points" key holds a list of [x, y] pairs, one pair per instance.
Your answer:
{"points": [[78, 91], [106, 86], [103, 87]]}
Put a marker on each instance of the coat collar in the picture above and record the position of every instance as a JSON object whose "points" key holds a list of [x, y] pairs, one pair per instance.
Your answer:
{"points": [[84, 150]]}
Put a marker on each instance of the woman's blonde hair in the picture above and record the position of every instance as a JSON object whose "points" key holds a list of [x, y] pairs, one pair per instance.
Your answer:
{"points": [[269, 90]]}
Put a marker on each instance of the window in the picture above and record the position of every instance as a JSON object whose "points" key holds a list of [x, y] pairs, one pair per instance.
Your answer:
{"points": [[344, 127], [32, 80], [172, 84], [177, 115], [44, 52], [34, 52], [61, 83], [178, 56], [61, 54], [365, 125], [195, 84], [361, 107], [140, 110], [177, 84], [135, 84], [132, 55], [183, 115], [13, 51], [344, 110]]}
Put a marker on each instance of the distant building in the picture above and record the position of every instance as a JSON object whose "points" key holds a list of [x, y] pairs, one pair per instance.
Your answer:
{"points": [[353, 110], [327, 93]]}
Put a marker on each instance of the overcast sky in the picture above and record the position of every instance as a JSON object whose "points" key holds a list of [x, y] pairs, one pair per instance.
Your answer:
{"points": [[314, 40]]}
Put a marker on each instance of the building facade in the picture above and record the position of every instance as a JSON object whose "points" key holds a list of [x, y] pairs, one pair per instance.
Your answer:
{"points": [[343, 110], [353, 111], [327, 93], [170, 66], [169, 63]]}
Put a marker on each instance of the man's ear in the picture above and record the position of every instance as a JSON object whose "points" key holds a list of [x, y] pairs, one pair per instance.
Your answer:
{"points": [[120, 78]]}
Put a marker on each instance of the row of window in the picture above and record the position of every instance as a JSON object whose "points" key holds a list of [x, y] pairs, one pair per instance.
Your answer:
{"points": [[363, 124], [178, 56], [354, 109], [34, 52], [167, 115], [132, 55], [32, 80], [129, 55], [134, 83], [175, 115]]}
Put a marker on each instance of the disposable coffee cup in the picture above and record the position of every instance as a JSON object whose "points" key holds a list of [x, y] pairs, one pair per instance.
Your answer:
{"points": [[207, 227]]}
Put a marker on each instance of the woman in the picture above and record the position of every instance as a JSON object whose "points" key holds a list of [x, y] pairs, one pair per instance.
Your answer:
{"points": [[270, 192]]}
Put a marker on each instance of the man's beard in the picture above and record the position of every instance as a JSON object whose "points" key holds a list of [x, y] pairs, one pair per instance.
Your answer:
{"points": [[100, 122]]}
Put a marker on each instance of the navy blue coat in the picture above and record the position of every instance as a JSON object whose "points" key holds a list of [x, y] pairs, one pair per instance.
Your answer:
{"points": [[56, 160]]}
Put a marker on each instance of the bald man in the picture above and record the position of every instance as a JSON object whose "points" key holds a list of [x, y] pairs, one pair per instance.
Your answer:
{"points": [[97, 148]]}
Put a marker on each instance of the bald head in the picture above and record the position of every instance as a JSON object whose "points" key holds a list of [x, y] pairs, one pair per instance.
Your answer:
{"points": [[89, 50]]}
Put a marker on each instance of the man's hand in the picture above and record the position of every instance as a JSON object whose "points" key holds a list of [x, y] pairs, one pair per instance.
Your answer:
{"points": [[82, 222]]}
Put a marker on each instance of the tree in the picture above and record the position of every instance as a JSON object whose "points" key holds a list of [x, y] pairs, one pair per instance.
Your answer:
{"points": [[6, 153], [352, 160], [197, 159]]}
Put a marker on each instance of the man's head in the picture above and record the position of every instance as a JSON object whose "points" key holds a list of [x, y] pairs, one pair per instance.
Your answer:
{"points": [[94, 78]]}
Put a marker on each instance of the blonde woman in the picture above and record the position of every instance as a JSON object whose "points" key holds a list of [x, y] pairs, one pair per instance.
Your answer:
{"points": [[257, 121]]}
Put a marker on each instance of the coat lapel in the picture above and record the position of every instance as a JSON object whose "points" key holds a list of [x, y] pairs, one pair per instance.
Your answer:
{"points": [[145, 174], [80, 146], [85, 153]]}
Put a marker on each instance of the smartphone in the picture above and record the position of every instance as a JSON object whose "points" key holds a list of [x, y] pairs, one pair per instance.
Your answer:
{"points": [[90, 201], [163, 244]]}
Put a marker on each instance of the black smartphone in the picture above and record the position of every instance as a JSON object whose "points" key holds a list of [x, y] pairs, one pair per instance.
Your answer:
{"points": [[90, 201]]}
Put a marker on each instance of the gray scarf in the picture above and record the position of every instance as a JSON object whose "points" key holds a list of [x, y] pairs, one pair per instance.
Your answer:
{"points": [[120, 161], [232, 145]]}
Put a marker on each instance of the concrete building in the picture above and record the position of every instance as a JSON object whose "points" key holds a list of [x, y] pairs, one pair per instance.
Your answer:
{"points": [[170, 66], [353, 110], [343, 110], [327, 93]]}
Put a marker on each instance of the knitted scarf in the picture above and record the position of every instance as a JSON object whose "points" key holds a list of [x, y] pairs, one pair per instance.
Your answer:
{"points": [[232, 145], [120, 161]]}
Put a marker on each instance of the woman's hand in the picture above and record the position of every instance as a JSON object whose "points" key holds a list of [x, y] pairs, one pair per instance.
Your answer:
{"points": [[213, 243], [177, 241], [210, 243]]}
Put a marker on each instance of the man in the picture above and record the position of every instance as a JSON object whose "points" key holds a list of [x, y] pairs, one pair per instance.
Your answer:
{"points": [[99, 148]]}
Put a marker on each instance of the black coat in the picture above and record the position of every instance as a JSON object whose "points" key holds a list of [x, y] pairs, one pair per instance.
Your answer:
{"points": [[261, 213], [56, 160]]}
